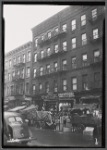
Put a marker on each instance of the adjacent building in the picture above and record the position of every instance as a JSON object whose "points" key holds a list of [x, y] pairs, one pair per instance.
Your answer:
{"points": [[67, 56], [17, 71]]}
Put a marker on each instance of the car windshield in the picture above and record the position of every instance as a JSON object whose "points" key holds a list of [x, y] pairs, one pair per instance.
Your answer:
{"points": [[11, 119], [15, 119], [19, 119]]}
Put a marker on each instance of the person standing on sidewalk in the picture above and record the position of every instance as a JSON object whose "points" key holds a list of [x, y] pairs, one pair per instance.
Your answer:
{"points": [[96, 135]]}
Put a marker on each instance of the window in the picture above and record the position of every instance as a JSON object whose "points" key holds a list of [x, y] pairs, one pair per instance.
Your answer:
{"points": [[9, 77], [64, 63], [47, 87], [48, 51], [73, 43], [95, 34], [29, 56], [94, 13], [97, 79], [85, 82], [27, 88], [14, 61], [96, 56], [35, 57], [23, 71], [28, 72], [56, 30], [13, 74], [64, 82], [55, 66], [49, 35], [73, 25], [18, 73], [65, 46], [55, 86], [40, 86], [74, 83], [10, 63], [84, 60], [73, 63], [83, 20], [42, 37], [41, 71], [36, 42], [84, 39], [48, 69], [18, 59], [34, 88], [23, 58], [42, 54], [64, 28], [34, 73], [56, 48]]}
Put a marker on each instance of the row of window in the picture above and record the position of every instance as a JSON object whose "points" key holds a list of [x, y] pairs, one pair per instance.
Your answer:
{"points": [[64, 45], [19, 89], [97, 58], [21, 73], [19, 59], [74, 84], [73, 26]]}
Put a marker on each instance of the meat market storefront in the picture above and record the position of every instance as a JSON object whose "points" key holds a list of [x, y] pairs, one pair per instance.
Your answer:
{"points": [[66, 101]]}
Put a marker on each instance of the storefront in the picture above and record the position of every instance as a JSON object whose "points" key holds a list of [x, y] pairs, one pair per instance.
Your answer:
{"points": [[50, 102], [66, 101], [38, 100]]}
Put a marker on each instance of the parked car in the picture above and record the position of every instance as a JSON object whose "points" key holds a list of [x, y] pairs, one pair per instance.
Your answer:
{"points": [[15, 129]]}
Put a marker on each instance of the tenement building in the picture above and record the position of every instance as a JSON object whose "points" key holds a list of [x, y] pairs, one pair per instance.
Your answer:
{"points": [[18, 76], [67, 57]]}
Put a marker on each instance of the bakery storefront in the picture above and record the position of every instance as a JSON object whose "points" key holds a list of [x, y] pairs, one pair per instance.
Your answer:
{"points": [[66, 101]]}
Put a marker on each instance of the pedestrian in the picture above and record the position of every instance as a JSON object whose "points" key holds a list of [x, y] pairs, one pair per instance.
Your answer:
{"points": [[95, 135]]}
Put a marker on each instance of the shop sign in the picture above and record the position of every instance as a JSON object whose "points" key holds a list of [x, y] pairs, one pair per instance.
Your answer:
{"points": [[66, 95]]}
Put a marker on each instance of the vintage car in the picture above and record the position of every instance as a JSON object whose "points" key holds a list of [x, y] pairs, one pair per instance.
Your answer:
{"points": [[15, 129]]}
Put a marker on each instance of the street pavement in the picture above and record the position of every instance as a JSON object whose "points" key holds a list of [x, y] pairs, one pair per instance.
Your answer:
{"points": [[50, 138]]}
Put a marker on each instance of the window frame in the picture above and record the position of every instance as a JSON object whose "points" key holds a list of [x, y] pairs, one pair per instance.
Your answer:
{"points": [[73, 43], [83, 21]]}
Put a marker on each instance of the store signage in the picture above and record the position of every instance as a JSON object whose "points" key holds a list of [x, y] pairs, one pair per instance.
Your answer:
{"points": [[66, 95]]}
